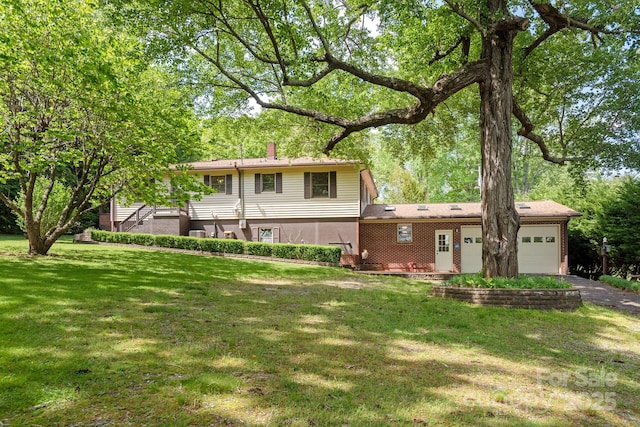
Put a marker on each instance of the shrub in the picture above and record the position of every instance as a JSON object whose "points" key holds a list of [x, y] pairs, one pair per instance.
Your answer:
{"points": [[143, 239], [321, 253], [189, 243], [99, 235], [166, 241], [522, 282], [620, 283], [286, 251], [210, 245], [124, 238], [226, 246], [317, 253], [258, 248], [229, 246]]}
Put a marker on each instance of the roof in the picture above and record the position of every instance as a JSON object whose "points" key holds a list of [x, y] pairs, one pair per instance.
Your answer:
{"points": [[545, 208], [268, 163]]}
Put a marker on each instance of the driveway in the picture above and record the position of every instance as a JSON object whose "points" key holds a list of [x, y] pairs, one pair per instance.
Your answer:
{"points": [[602, 294]]}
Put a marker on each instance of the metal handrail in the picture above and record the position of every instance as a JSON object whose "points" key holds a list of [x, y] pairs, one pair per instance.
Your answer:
{"points": [[140, 214]]}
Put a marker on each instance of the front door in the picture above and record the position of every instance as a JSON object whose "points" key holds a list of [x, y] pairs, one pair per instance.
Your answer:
{"points": [[444, 254]]}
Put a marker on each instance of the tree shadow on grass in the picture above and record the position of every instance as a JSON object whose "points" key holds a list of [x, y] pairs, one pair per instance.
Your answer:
{"points": [[137, 337]]}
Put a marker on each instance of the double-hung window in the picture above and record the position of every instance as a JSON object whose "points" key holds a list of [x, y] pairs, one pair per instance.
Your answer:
{"points": [[320, 185], [268, 183], [222, 184]]}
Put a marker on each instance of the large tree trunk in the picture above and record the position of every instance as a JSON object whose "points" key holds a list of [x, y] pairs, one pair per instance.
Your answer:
{"points": [[37, 244], [500, 221]]}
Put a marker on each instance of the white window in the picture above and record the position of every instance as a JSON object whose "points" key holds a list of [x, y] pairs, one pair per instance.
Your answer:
{"points": [[266, 235], [405, 233], [443, 243]]}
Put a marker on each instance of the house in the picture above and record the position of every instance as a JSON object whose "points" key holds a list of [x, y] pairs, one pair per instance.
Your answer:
{"points": [[330, 202], [271, 199]]}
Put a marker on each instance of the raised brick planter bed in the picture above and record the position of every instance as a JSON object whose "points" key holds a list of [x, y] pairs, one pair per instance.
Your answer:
{"points": [[541, 299]]}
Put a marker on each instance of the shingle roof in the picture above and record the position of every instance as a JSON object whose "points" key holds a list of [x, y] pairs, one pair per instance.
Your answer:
{"points": [[267, 163], [545, 208]]}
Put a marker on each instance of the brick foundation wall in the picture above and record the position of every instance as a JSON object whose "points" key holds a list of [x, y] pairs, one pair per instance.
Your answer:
{"points": [[177, 225], [104, 221], [541, 299]]}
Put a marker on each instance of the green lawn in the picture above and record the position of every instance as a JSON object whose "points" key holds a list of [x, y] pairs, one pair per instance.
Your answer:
{"points": [[111, 336]]}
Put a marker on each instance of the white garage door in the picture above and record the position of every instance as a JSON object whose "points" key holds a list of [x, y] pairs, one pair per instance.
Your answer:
{"points": [[538, 249], [471, 249]]}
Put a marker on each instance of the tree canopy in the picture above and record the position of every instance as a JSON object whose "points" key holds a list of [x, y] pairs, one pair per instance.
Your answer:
{"points": [[85, 117], [358, 65], [620, 220]]}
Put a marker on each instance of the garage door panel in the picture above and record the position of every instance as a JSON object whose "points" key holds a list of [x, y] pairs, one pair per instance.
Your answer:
{"points": [[538, 249], [471, 249]]}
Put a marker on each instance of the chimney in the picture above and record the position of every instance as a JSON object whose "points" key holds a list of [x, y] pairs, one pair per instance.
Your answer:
{"points": [[271, 151]]}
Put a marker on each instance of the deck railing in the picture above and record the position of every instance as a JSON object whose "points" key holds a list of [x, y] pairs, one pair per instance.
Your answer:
{"points": [[143, 212]]}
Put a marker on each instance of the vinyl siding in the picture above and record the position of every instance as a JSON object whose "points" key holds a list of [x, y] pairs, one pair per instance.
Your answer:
{"points": [[291, 202], [215, 206], [271, 205], [122, 212]]}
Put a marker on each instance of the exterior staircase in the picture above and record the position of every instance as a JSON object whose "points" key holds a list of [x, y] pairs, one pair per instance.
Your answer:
{"points": [[144, 216], [135, 219]]}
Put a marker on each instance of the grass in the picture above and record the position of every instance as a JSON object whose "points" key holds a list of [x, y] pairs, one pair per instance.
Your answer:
{"points": [[618, 282], [101, 336], [522, 282]]}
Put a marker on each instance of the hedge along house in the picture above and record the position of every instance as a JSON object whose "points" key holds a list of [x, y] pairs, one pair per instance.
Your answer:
{"points": [[448, 237], [299, 200]]}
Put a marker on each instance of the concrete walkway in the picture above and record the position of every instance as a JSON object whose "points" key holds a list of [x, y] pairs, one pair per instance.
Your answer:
{"points": [[602, 294]]}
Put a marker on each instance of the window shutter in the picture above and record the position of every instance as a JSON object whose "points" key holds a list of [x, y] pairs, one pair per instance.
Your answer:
{"points": [[278, 183], [258, 184], [276, 234], [332, 185], [307, 185], [254, 234], [206, 180], [228, 187]]}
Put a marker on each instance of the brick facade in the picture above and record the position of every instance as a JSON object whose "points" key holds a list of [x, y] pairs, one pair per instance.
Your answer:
{"points": [[385, 253], [379, 239], [177, 225], [104, 221]]}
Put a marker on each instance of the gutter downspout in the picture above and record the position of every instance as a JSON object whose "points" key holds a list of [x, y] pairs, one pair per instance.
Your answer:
{"points": [[240, 189], [112, 213]]}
